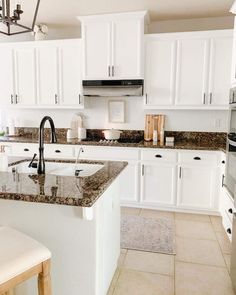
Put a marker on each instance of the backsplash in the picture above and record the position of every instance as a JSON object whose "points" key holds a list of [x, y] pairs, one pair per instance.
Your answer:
{"points": [[96, 134]]}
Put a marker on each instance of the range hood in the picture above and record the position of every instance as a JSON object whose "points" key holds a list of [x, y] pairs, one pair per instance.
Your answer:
{"points": [[109, 88]]}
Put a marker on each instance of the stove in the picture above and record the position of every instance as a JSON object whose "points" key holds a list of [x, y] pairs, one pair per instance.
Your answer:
{"points": [[121, 140]]}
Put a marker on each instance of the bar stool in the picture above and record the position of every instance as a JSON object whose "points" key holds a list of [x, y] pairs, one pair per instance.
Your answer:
{"points": [[21, 258]]}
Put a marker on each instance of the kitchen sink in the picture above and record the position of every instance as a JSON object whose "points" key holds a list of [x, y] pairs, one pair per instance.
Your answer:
{"points": [[60, 169]]}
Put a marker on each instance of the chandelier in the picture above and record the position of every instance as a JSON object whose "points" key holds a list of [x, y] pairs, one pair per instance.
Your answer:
{"points": [[10, 18]]}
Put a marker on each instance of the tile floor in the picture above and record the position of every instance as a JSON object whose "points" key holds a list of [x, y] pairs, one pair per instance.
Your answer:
{"points": [[200, 266]]}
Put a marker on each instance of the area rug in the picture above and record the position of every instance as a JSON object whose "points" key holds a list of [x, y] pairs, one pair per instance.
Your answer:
{"points": [[148, 234]]}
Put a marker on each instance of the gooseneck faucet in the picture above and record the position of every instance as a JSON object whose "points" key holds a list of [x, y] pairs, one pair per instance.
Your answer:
{"points": [[41, 163]]}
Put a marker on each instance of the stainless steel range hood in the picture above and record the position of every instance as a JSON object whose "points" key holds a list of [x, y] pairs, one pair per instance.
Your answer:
{"points": [[113, 88]]}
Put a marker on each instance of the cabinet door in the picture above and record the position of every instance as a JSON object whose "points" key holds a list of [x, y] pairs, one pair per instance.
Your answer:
{"points": [[158, 184], [47, 74], [6, 76], [192, 66], [70, 73], [25, 75], [160, 71], [196, 187], [233, 71], [220, 66], [127, 48], [129, 191], [97, 50]]}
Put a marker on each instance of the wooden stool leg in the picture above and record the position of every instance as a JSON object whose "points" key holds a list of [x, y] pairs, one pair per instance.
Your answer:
{"points": [[44, 279]]}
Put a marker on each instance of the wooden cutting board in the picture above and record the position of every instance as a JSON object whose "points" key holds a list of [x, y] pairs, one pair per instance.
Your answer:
{"points": [[153, 122]]}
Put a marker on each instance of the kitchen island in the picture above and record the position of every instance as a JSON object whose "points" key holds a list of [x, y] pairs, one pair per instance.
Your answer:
{"points": [[77, 218]]}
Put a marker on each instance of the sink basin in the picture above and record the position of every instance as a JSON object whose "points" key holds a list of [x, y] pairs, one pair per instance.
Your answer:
{"points": [[60, 169]]}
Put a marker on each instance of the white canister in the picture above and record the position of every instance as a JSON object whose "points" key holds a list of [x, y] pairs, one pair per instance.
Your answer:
{"points": [[71, 134], [82, 133]]}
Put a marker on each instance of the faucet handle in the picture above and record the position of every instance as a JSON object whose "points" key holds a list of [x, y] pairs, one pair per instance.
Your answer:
{"points": [[31, 164]]}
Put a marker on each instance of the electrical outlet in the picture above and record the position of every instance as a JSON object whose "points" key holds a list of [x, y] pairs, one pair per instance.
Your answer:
{"points": [[217, 123]]}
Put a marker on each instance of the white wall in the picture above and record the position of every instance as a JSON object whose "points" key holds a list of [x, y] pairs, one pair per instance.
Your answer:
{"points": [[96, 108], [96, 116]]}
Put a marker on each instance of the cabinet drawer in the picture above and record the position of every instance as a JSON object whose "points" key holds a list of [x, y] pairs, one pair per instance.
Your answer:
{"points": [[227, 224], [22, 150], [58, 151], [198, 158], [108, 153], [227, 205], [158, 155]]}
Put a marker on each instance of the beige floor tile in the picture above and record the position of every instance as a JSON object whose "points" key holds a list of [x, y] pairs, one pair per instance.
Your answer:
{"points": [[193, 229], [197, 279], [150, 262], [132, 282], [156, 214], [113, 282], [217, 223], [199, 251], [123, 251], [227, 258], [121, 259], [224, 242], [192, 217], [130, 211]]}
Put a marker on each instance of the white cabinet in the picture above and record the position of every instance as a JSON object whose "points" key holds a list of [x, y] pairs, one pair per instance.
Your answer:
{"points": [[158, 178], [47, 74], [7, 95], [188, 70], [158, 184], [197, 181], [160, 71], [70, 73], [219, 75], [113, 46], [233, 67], [191, 71]]}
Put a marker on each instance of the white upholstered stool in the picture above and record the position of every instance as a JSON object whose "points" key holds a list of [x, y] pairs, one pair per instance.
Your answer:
{"points": [[21, 258]]}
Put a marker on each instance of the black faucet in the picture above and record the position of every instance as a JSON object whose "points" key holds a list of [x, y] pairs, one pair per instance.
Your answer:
{"points": [[41, 163]]}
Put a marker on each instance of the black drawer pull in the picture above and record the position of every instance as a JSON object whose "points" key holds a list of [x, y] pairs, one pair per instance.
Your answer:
{"points": [[230, 211], [229, 231], [26, 150], [197, 158], [57, 151], [223, 162], [158, 156]]}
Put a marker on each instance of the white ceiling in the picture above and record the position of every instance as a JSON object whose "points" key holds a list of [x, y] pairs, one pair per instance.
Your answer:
{"points": [[64, 12]]}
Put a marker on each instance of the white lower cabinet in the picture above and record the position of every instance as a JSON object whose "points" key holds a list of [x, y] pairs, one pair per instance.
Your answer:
{"points": [[158, 184], [196, 187]]}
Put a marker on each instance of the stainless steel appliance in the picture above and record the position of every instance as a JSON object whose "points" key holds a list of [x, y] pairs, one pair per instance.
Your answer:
{"points": [[110, 88], [230, 176]]}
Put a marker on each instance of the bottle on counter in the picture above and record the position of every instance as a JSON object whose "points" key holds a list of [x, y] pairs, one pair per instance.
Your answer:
{"points": [[155, 136], [162, 136], [3, 159], [11, 127]]}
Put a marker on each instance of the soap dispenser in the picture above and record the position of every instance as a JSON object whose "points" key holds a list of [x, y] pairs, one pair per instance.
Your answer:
{"points": [[3, 159]]}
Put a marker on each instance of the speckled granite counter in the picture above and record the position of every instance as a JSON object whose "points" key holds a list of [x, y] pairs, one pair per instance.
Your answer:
{"points": [[64, 190], [179, 144]]}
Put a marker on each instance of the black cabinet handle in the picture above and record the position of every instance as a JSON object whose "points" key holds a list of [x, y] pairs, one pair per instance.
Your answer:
{"points": [[158, 156], [197, 158], [229, 231], [223, 162], [26, 150], [230, 211], [57, 151]]}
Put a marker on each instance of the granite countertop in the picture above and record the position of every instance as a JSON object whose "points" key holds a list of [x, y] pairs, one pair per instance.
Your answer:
{"points": [[64, 190], [182, 144]]}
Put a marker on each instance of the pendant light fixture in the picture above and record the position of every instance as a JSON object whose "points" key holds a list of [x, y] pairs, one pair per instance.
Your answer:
{"points": [[10, 17]]}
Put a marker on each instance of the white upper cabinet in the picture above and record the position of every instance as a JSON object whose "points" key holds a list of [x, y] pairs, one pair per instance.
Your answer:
{"points": [[7, 94], [70, 73], [47, 74], [25, 75], [233, 71], [191, 74], [113, 46], [220, 64], [160, 71], [127, 37], [97, 50], [188, 70]]}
